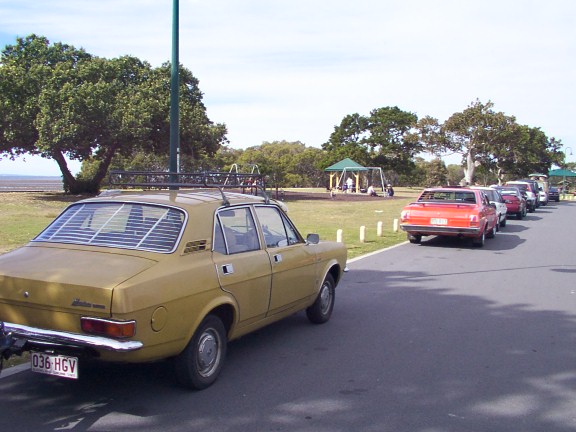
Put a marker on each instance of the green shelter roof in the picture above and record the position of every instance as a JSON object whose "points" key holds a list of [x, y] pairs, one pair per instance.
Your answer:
{"points": [[561, 173], [347, 164]]}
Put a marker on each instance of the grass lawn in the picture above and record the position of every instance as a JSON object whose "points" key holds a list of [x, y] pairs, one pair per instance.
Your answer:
{"points": [[326, 217], [25, 214]]}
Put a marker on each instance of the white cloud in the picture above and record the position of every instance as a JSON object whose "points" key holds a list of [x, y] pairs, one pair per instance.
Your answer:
{"points": [[292, 69]]}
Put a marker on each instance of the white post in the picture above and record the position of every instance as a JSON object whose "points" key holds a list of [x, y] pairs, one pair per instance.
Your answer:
{"points": [[362, 234], [379, 229], [395, 225], [339, 236]]}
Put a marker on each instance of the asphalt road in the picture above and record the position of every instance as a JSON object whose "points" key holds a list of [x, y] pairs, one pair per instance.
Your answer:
{"points": [[435, 337]]}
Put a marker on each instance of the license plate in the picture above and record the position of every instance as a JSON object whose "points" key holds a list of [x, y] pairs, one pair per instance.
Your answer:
{"points": [[438, 221], [57, 365]]}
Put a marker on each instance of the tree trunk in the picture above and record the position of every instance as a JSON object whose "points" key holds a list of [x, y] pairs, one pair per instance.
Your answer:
{"points": [[469, 170], [75, 186]]}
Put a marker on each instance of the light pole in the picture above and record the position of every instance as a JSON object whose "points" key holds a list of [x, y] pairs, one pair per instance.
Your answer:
{"points": [[174, 97], [564, 168]]}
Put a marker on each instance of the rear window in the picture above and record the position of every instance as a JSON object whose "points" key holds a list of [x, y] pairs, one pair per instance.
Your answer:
{"points": [[122, 225], [448, 196]]}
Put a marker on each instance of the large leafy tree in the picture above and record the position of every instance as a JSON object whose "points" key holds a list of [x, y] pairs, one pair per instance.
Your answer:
{"points": [[386, 137], [520, 150], [393, 140], [348, 141], [69, 104], [497, 142], [470, 132]]}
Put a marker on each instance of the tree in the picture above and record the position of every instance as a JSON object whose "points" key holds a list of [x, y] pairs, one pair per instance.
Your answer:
{"points": [[468, 132], [454, 175], [496, 142], [393, 139], [436, 173], [24, 70], [348, 141], [71, 104], [386, 138]]}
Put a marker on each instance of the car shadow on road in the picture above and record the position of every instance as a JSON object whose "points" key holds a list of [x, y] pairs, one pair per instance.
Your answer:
{"points": [[504, 240]]}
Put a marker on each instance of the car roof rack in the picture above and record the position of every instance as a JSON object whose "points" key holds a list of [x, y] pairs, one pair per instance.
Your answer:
{"points": [[255, 182]]}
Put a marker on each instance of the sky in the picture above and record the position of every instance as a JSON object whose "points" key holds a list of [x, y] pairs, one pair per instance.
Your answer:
{"points": [[275, 70]]}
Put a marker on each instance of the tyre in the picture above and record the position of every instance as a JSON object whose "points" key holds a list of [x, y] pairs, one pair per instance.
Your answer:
{"points": [[479, 241], [504, 222], [321, 310], [520, 215], [415, 239], [199, 365], [492, 232]]}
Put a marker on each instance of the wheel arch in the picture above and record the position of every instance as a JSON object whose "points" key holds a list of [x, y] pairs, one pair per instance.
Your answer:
{"points": [[334, 270], [224, 308]]}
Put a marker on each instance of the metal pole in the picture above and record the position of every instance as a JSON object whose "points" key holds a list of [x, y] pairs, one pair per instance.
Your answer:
{"points": [[175, 96], [565, 168]]}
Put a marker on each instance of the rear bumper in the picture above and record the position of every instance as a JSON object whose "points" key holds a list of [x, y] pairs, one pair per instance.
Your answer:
{"points": [[441, 230], [43, 337]]}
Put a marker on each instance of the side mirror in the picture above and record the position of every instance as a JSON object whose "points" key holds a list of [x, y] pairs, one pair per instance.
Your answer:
{"points": [[312, 239]]}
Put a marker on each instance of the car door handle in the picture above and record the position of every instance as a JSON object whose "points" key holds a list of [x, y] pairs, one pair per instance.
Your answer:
{"points": [[277, 258], [227, 269]]}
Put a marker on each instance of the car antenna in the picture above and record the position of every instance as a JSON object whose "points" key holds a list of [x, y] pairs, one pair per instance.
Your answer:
{"points": [[224, 199]]}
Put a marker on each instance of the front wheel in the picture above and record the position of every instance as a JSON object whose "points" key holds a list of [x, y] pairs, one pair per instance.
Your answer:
{"points": [[199, 365], [321, 310]]}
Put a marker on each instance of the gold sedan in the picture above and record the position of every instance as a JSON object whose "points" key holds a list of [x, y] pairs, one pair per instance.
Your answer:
{"points": [[142, 276]]}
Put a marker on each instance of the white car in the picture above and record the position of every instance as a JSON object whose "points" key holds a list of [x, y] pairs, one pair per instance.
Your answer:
{"points": [[495, 198], [531, 198]]}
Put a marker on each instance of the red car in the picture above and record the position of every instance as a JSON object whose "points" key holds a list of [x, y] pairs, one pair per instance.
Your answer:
{"points": [[458, 212], [515, 202]]}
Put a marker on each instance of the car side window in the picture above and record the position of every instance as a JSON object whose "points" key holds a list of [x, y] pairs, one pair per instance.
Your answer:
{"points": [[235, 231], [277, 230]]}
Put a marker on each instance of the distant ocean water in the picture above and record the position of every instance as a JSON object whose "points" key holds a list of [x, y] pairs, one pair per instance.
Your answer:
{"points": [[17, 183]]}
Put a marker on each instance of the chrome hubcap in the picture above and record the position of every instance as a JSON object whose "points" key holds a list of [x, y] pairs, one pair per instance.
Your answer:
{"points": [[208, 352], [325, 299]]}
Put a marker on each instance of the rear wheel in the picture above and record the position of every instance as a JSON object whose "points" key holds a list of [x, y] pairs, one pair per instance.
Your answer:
{"points": [[414, 238], [199, 365], [492, 232], [520, 215], [321, 310], [479, 241]]}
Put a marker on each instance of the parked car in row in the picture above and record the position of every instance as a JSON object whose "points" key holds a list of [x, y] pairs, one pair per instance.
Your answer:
{"points": [[554, 194], [528, 189], [142, 276], [495, 198], [514, 200], [459, 212]]}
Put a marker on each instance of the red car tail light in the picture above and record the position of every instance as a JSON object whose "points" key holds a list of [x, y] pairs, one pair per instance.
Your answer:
{"points": [[474, 220], [110, 328], [405, 215]]}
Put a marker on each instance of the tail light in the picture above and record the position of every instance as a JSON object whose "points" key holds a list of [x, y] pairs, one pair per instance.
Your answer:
{"points": [[110, 328], [474, 220], [405, 215]]}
